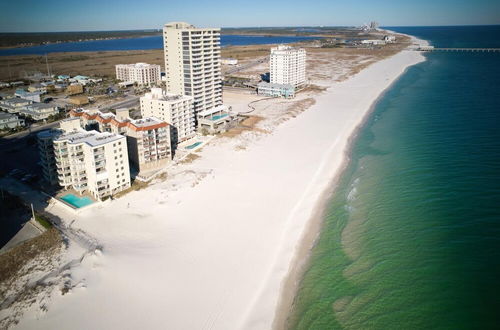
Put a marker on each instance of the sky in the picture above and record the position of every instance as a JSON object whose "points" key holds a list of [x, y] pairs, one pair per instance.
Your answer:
{"points": [[95, 15]]}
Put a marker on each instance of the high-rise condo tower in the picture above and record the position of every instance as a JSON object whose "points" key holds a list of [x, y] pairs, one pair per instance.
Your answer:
{"points": [[192, 63]]}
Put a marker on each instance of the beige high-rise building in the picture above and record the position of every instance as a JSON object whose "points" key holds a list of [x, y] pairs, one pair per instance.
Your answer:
{"points": [[177, 110], [192, 63], [141, 73]]}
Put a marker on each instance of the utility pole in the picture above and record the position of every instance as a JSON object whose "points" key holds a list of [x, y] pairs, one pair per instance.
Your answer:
{"points": [[47, 62], [8, 67], [33, 212]]}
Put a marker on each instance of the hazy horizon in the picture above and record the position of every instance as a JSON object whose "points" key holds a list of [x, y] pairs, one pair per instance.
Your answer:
{"points": [[94, 15], [252, 27]]}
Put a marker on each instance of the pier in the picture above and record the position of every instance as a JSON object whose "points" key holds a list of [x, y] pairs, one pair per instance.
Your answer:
{"points": [[483, 50]]}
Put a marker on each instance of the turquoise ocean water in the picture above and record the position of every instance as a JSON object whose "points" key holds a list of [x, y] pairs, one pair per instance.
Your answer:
{"points": [[411, 237]]}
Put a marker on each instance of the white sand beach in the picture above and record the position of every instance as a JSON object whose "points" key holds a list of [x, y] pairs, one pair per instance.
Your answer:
{"points": [[211, 246]]}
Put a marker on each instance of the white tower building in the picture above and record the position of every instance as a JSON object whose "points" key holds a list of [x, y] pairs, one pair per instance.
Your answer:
{"points": [[288, 66], [192, 63]]}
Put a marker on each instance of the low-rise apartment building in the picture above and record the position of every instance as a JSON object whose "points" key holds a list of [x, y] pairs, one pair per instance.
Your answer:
{"points": [[33, 96], [39, 111], [141, 73], [37, 88], [8, 120], [175, 109], [276, 90], [148, 139], [14, 105]]}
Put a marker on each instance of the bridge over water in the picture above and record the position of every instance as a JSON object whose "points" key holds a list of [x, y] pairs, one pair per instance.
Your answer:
{"points": [[483, 50]]}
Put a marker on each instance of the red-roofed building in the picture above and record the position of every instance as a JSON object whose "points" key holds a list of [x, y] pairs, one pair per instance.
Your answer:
{"points": [[148, 139]]}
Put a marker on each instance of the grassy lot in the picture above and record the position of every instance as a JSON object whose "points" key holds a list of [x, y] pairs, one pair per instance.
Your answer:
{"points": [[14, 259], [43, 220], [85, 63]]}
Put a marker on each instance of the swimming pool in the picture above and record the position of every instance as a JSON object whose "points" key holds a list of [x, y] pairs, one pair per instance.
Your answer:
{"points": [[76, 201], [217, 117], [194, 145]]}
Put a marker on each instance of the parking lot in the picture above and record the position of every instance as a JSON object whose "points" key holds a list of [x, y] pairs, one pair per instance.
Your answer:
{"points": [[19, 158]]}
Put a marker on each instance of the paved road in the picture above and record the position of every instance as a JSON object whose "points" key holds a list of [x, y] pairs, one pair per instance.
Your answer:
{"points": [[129, 103], [32, 129], [248, 65], [28, 231]]}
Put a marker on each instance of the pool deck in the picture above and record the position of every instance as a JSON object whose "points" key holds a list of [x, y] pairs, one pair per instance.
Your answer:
{"points": [[63, 193]]}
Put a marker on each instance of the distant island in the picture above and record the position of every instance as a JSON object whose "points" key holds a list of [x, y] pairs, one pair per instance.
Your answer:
{"points": [[29, 39]]}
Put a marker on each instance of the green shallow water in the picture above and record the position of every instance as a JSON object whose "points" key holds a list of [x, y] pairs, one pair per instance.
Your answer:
{"points": [[411, 237]]}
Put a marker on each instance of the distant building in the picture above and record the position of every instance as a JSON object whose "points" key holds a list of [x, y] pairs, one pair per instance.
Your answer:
{"points": [[84, 80], [90, 161], [287, 66], [16, 83], [373, 42], [8, 120], [79, 100], [5, 96], [276, 90], [37, 88], [14, 105], [192, 64], [74, 89], [175, 109], [148, 139], [229, 61], [33, 96], [389, 39], [141, 73]]}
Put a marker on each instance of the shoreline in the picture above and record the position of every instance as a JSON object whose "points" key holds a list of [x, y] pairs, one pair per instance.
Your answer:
{"points": [[219, 238], [302, 259]]}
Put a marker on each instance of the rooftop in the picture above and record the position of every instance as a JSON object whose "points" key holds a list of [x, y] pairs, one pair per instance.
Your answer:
{"points": [[147, 122], [23, 92], [272, 85], [4, 115], [286, 48], [16, 100], [160, 94], [139, 65], [186, 26], [91, 138], [39, 106], [108, 117]]}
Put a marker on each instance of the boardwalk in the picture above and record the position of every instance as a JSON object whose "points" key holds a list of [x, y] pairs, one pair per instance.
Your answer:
{"points": [[483, 50]]}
